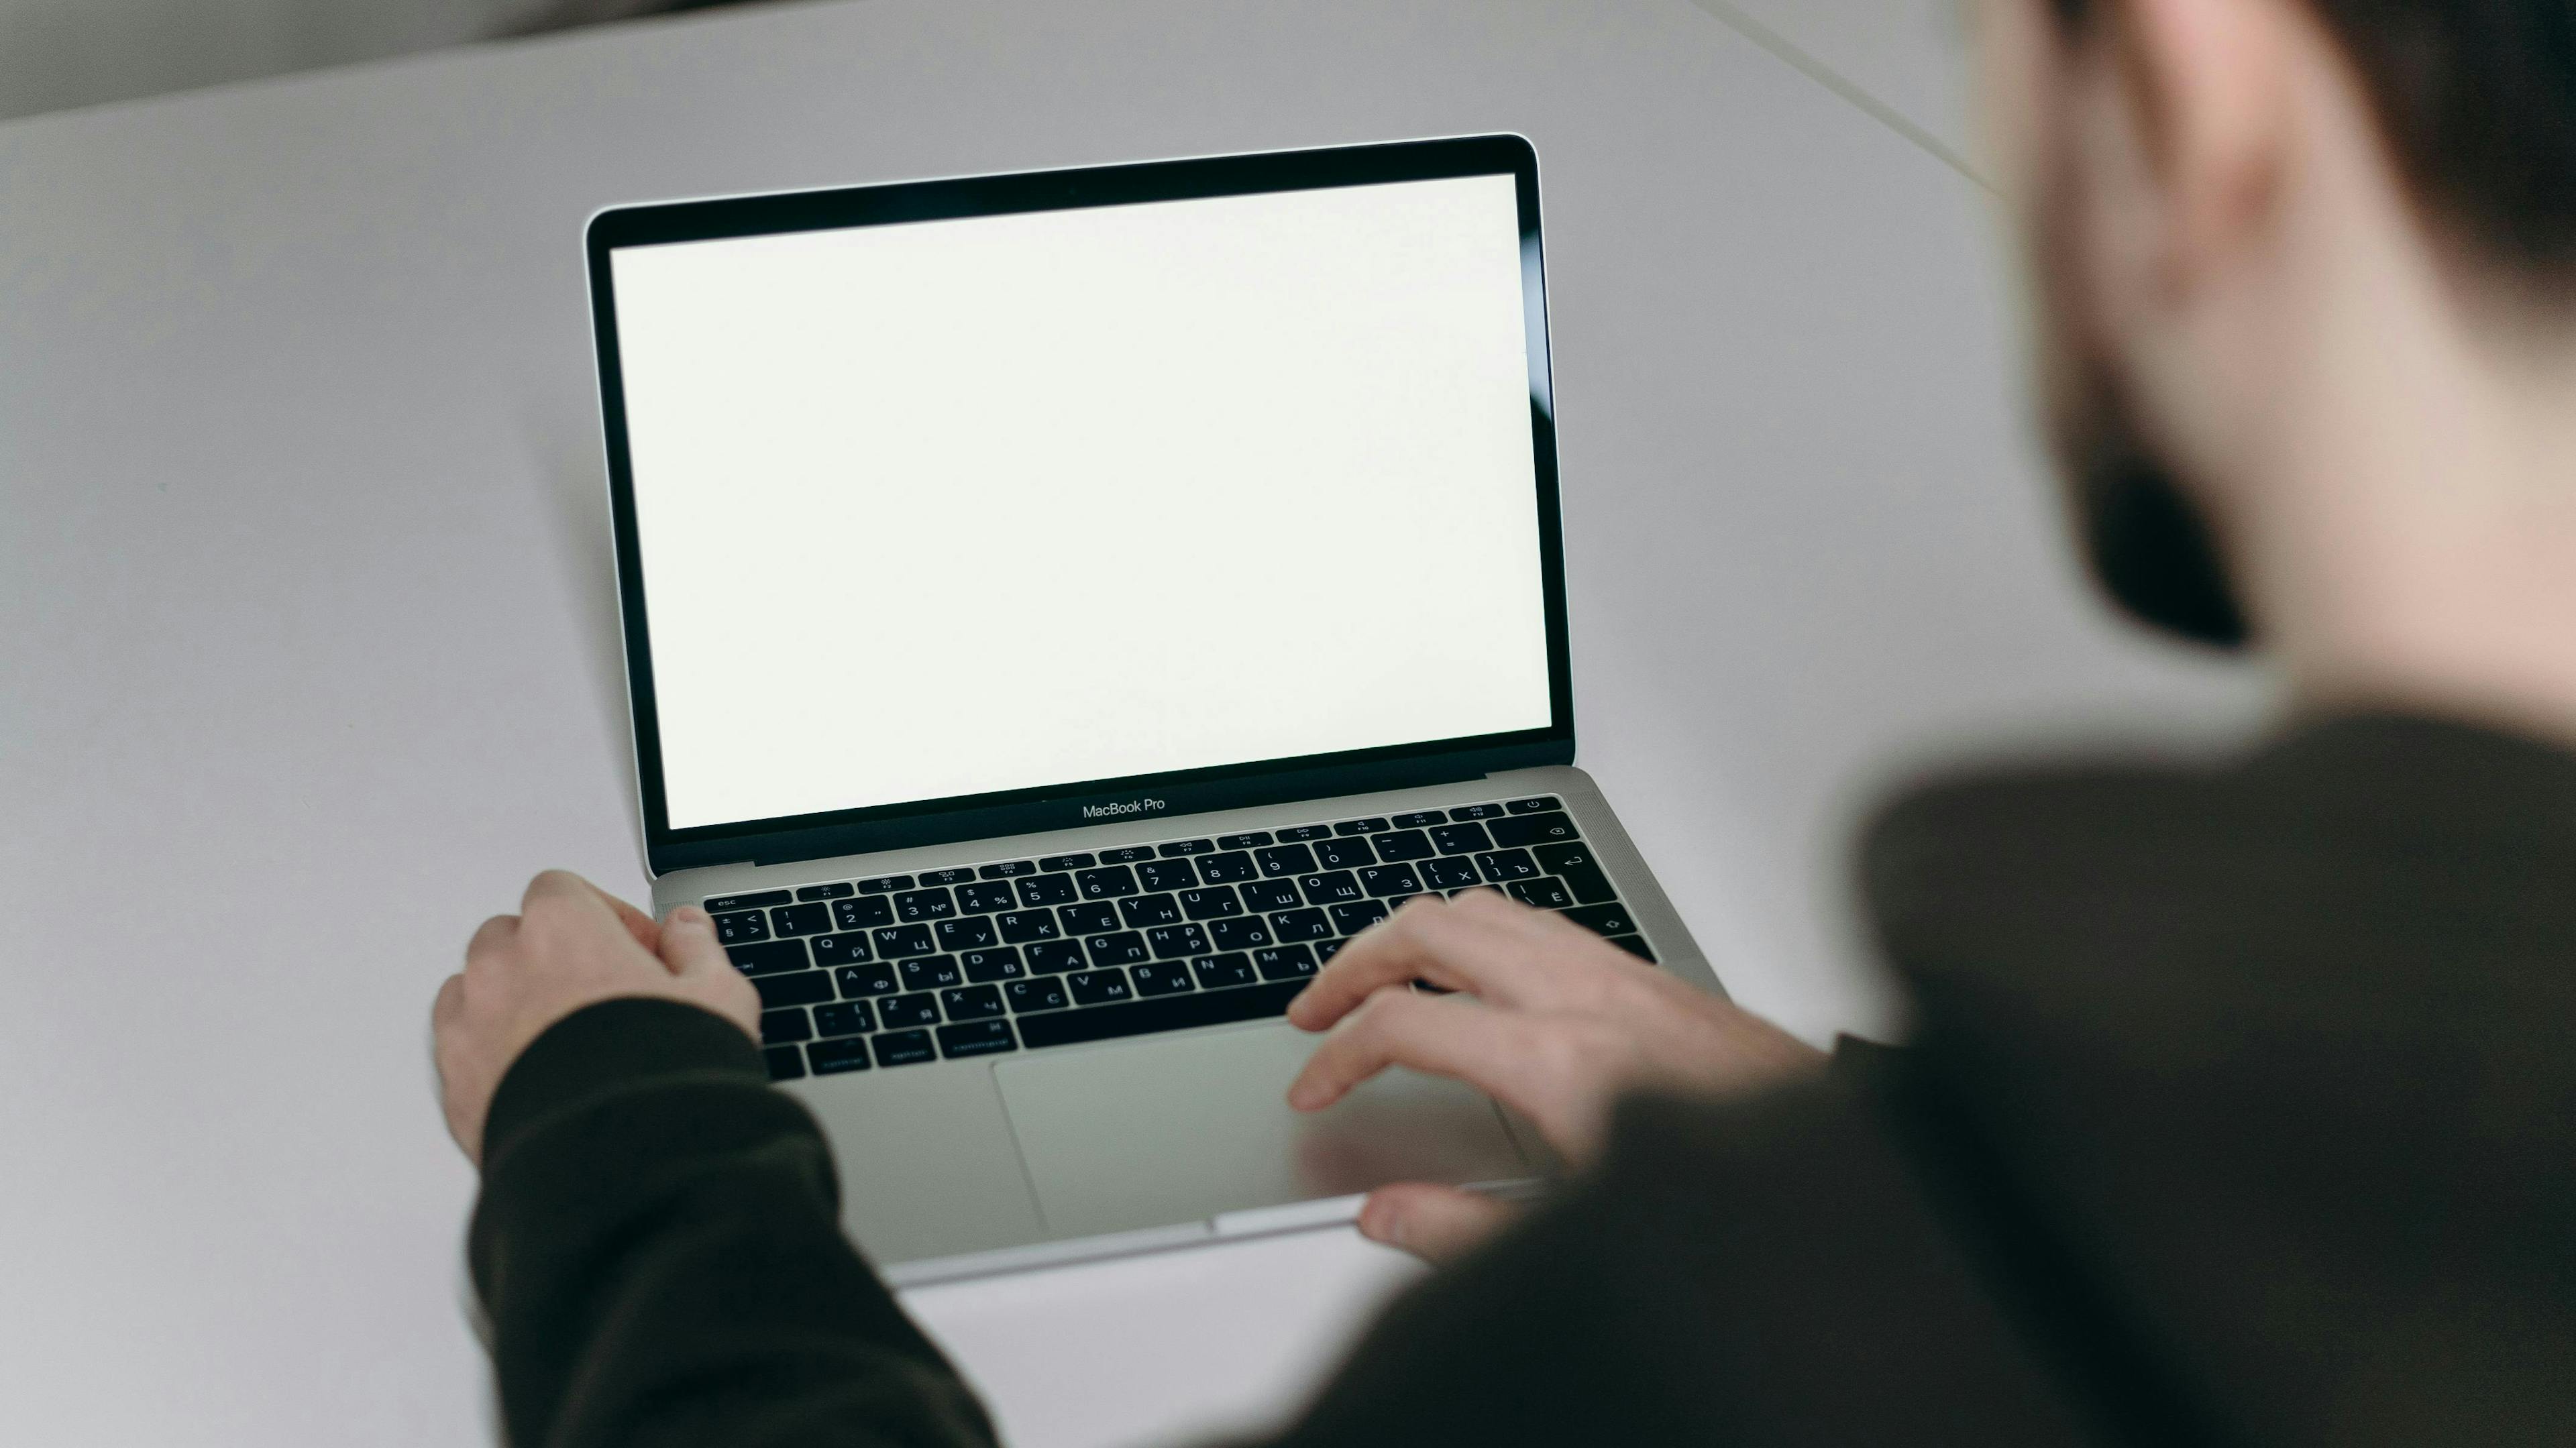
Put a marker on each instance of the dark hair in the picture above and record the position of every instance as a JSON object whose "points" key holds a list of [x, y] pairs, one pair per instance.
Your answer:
{"points": [[2478, 101]]}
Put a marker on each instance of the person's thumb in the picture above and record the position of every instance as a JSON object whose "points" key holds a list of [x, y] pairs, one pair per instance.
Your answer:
{"points": [[1434, 1223], [689, 945]]}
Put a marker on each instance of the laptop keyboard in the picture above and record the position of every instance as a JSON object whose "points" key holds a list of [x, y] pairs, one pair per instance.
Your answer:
{"points": [[1024, 954]]}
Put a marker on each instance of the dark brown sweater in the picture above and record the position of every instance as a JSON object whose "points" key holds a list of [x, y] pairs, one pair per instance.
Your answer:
{"points": [[2242, 1110]]}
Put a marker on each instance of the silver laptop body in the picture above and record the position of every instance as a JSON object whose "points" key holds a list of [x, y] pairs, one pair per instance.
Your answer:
{"points": [[1060, 609]]}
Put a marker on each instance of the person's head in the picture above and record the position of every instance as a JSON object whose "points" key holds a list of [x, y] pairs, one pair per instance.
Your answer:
{"points": [[2303, 267]]}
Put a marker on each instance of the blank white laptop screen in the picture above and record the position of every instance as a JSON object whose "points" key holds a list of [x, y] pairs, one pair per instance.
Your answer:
{"points": [[944, 508]]}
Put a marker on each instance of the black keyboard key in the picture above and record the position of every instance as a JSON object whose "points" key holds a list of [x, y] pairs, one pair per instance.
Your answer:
{"points": [[743, 928], [983, 1038], [1147, 910], [984, 966], [1243, 841], [1541, 829], [1178, 848], [823, 892], [1611, 919], [1281, 860], [797, 988], [1048, 890], [1218, 972], [1461, 839], [1503, 866], [1477, 812], [1545, 894], [1419, 819], [1054, 957], [1634, 946], [1066, 862], [1385, 880], [768, 959], [1540, 805], [1131, 855], [863, 913], [1229, 869], [1345, 854], [786, 1063], [972, 934], [894, 942], [1164, 1013], [1358, 915], [1325, 889], [1019, 927], [1271, 895], [841, 949], [909, 1010], [1167, 875], [885, 884], [1301, 925], [1009, 869], [1044, 993], [780, 1027], [932, 973], [970, 1002], [844, 1018], [1125, 947], [1107, 883], [1250, 932], [1448, 874], [1284, 962], [1171, 942], [1307, 832], [946, 877], [1100, 987], [986, 898], [1088, 918], [1210, 903], [915, 905], [904, 1048], [1168, 977], [1325, 950], [876, 978], [1362, 827], [1582, 873], [832, 1057], [725, 904], [1404, 845]]}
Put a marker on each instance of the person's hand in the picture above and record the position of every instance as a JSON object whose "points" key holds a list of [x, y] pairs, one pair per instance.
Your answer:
{"points": [[1549, 1019], [570, 946]]}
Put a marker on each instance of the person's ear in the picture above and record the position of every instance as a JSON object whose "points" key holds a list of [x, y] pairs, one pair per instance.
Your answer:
{"points": [[2206, 86]]}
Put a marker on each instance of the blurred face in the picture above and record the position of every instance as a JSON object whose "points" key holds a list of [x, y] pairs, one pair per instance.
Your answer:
{"points": [[2141, 536]]}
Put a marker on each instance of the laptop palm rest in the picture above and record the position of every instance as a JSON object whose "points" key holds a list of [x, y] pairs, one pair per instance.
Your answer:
{"points": [[1149, 1133]]}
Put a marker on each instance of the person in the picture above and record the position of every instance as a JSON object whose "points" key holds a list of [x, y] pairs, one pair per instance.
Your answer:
{"points": [[2239, 1107]]}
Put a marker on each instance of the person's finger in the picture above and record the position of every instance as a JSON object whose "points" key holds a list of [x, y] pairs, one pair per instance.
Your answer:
{"points": [[689, 944], [1434, 1223], [1429, 940], [556, 885], [491, 940], [1444, 1035], [646, 930], [449, 1005]]}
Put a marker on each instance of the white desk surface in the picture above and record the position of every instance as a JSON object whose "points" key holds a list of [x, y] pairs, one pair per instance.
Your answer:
{"points": [[310, 656]]}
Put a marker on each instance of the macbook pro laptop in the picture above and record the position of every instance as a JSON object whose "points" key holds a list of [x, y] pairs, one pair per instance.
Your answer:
{"points": [[1060, 609]]}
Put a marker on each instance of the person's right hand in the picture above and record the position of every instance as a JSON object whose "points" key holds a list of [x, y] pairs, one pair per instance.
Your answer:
{"points": [[1549, 1019]]}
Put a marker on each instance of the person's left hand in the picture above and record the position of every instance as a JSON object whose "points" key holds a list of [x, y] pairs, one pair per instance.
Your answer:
{"points": [[571, 945]]}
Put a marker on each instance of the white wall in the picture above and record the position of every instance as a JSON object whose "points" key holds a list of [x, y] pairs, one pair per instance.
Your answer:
{"points": [[56, 54]]}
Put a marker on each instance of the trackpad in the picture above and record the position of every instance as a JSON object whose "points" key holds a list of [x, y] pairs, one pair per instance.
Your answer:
{"points": [[1147, 1133]]}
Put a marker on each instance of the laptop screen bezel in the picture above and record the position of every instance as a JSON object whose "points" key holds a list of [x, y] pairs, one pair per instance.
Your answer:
{"points": [[1053, 807]]}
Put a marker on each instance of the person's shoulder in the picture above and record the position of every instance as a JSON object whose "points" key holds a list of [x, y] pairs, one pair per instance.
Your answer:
{"points": [[2346, 820]]}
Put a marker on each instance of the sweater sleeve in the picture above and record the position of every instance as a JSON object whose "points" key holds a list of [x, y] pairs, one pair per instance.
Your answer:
{"points": [[659, 1253]]}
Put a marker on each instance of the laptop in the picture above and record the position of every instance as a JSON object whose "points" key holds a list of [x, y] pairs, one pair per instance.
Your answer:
{"points": [[1062, 609]]}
